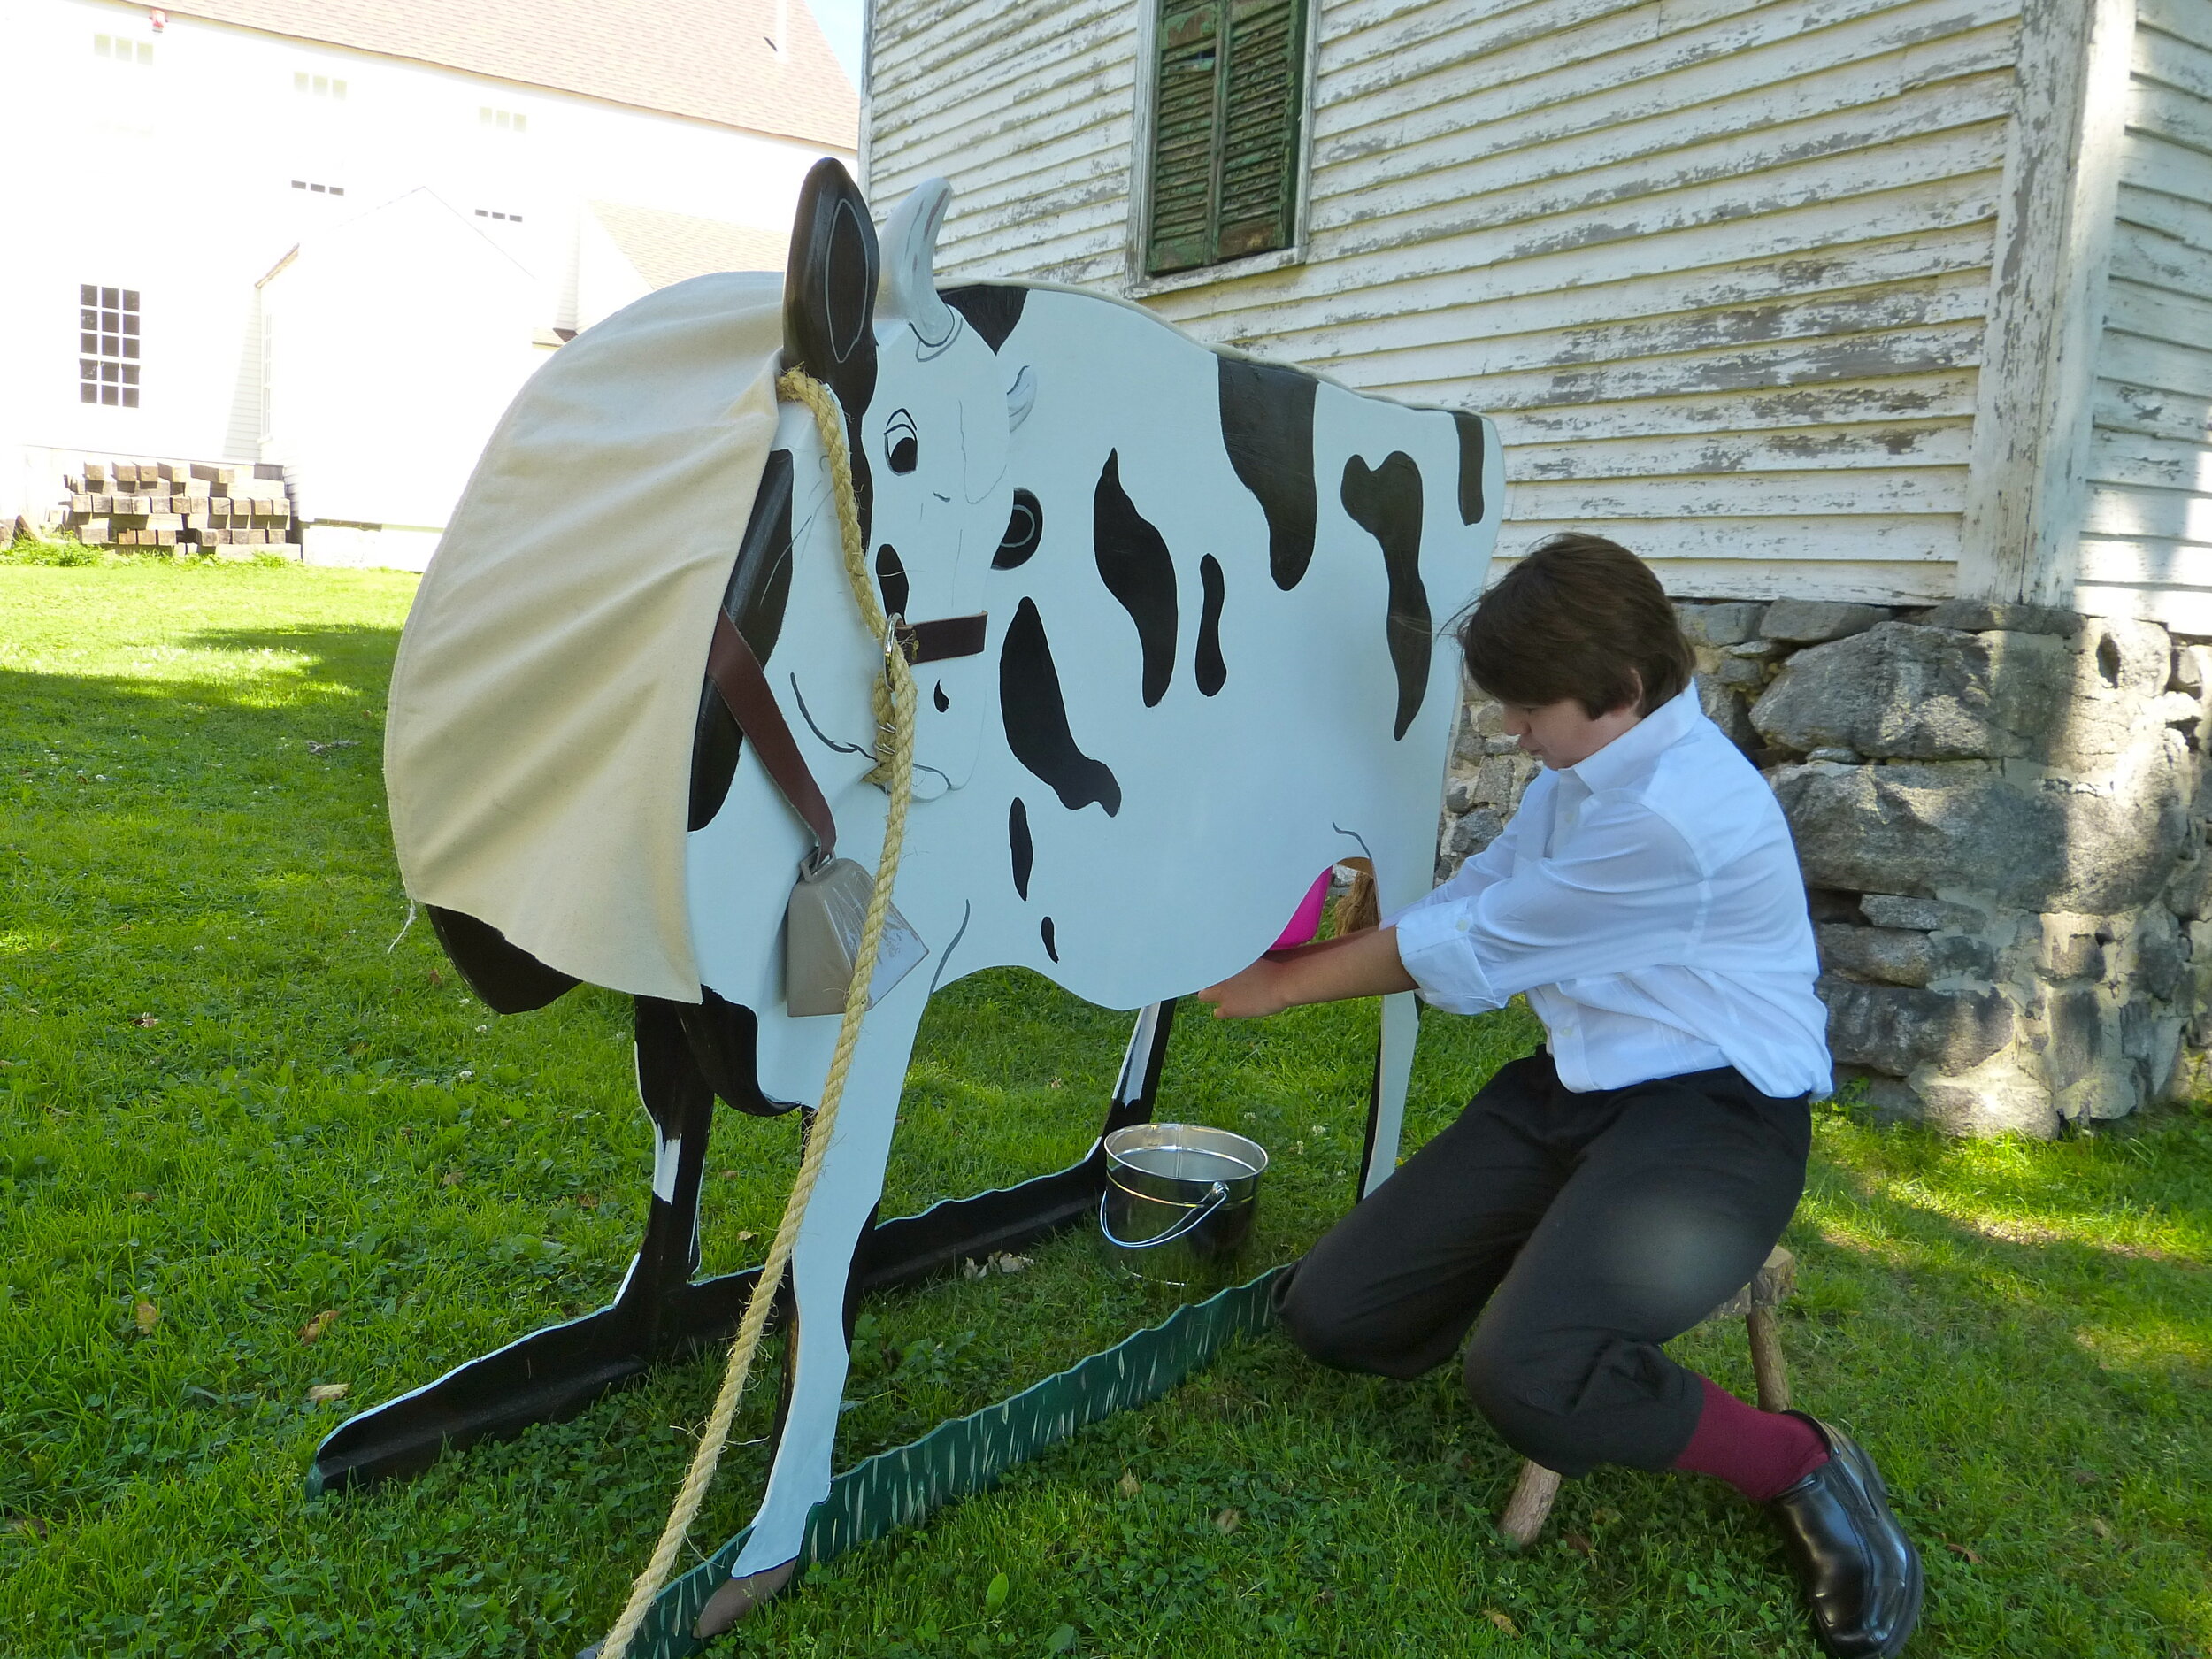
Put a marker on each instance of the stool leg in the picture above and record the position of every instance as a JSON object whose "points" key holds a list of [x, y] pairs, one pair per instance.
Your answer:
{"points": [[1531, 1502], [1767, 1364]]}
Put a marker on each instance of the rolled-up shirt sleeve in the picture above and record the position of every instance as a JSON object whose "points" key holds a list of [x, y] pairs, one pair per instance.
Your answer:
{"points": [[1627, 893]]}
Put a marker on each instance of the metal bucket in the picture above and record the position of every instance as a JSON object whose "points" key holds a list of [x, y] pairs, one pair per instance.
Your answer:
{"points": [[1180, 1199]]}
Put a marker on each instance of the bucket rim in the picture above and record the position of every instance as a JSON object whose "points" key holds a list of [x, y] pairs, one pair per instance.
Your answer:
{"points": [[1226, 1143]]}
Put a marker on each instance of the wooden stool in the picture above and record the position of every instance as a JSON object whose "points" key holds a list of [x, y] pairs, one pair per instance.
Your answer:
{"points": [[1755, 1303]]}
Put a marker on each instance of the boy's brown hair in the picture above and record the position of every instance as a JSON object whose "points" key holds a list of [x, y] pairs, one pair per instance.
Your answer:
{"points": [[1578, 616]]}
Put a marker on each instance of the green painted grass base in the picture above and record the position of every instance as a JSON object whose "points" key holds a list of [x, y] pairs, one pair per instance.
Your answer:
{"points": [[968, 1455]]}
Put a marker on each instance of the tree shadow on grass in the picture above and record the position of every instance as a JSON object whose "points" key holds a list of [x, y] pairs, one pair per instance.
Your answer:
{"points": [[309, 673]]}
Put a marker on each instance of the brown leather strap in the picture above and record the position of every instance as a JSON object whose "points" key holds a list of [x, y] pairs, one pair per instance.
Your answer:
{"points": [[737, 675], [941, 637]]}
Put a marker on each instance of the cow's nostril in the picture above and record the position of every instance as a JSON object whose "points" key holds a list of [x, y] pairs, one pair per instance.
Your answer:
{"points": [[1024, 528], [891, 577]]}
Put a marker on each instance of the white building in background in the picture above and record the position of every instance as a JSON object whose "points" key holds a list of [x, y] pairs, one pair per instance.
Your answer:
{"points": [[334, 237], [1863, 300]]}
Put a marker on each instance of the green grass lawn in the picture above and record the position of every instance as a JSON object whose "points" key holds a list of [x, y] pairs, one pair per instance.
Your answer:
{"points": [[237, 1103]]}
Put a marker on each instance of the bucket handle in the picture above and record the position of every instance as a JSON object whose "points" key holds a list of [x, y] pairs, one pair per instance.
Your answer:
{"points": [[1216, 1195]]}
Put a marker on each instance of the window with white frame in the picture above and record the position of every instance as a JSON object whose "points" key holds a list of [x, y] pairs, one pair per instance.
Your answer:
{"points": [[502, 121], [316, 86], [509, 218], [314, 188], [121, 49], [107, 346]]}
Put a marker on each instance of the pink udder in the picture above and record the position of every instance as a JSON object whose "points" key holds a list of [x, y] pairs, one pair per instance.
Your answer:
{"points": [[1305, 922]]}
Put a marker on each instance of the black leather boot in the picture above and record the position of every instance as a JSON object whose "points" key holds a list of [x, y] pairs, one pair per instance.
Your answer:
{"points": [[1860, 1572]]}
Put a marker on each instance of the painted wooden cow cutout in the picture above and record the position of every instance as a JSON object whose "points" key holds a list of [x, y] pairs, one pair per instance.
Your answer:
{"points": [[1211, 590]]}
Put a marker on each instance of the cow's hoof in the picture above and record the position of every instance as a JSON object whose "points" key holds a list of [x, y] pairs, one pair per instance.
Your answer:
{"points": [[740, 1596]]}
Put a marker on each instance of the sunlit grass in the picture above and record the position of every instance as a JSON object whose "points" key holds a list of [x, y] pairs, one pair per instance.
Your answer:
{"points": [[318, 1120]]}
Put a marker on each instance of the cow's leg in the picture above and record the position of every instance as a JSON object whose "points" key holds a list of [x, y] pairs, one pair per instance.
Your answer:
{"points": [[1404, 865], [1386, 1101], [844, 1197]]}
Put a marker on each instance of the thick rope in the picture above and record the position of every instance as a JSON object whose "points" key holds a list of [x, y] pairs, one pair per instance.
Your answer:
{"points": [[895, 712]]}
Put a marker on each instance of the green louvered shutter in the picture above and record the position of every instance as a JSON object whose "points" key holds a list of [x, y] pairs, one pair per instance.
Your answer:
{"points": [[1186, 126], [1259, 151], [1224, 157]]}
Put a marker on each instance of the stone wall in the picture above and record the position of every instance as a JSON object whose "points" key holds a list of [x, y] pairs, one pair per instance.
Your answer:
{"points": [[2000, 811]]}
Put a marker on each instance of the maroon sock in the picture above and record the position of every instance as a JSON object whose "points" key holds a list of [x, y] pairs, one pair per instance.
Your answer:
{"points": [[1759, 1453]]}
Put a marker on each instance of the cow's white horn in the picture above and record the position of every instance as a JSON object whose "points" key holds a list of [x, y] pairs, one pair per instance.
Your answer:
{"points": [[908, 287], [1020, 397]]}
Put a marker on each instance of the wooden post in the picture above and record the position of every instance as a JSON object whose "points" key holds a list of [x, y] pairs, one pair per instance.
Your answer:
{"points": [[1767, 1364], [1531, 1502]]}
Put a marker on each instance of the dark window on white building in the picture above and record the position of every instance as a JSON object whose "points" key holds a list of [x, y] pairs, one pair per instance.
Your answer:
{"points": [[107, 345], [116, 49], [319, 189], [511, 218]]}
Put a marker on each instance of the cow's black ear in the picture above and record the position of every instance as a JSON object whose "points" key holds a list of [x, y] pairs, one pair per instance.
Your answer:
{"points": [[829, 291]]}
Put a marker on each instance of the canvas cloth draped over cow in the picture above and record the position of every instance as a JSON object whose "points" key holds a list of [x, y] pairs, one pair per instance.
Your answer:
{"points": [[1186, 609]]}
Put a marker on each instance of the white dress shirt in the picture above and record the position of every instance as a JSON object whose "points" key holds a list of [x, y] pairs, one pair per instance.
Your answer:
{"points": [[1649, 902]]}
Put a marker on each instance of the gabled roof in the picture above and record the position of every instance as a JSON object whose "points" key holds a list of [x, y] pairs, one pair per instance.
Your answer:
{"points": [[667, 247], [709, 59]]}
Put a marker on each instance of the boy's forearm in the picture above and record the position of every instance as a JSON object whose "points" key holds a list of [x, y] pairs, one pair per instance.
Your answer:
{"points": [[1364, 964]]}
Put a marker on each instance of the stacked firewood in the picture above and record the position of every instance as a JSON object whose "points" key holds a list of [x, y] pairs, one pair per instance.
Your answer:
{"points": [[177, 504]]}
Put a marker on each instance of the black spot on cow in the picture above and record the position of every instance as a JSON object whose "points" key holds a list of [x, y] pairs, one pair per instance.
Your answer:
{"points": [[1044, 932], [1386, 500], [1024, 528], [991, 308], [1469, 465], [1209, 671], [937, 695], [1017, 841], [1267, 428], [1036, 717], [1134, 563], [759, 589], [891, 578]]}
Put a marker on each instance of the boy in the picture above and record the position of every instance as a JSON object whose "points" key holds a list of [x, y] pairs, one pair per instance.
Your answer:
{"points": [[1600, 1198]]}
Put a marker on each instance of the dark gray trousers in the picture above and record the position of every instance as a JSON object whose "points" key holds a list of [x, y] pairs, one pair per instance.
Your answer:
{"points": [[1575, 1233]]}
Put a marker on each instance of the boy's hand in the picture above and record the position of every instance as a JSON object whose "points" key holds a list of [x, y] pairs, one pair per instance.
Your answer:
{"points": [[1253, 994]]}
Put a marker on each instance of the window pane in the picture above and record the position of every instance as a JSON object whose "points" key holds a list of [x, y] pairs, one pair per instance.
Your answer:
{"points": [[110, 297], [88, 342], [130, 397], [299, 80], [130, 322], [522, 123], [145, 52], [88, 393], [337, 88], [130, 299], [337, 189], [88, 294], [109, 395], [130, 347], [111, 371], [130, 375]]}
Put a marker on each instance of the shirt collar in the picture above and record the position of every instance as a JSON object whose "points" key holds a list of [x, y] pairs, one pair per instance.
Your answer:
{"points": [[1668, 724]]}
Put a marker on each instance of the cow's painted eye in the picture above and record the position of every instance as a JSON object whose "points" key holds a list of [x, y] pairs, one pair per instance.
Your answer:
{"points": [[901, 447]]}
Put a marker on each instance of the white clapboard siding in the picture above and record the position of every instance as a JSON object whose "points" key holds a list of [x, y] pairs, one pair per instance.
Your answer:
{"points": [[2147, 531], [1719, 268]]}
